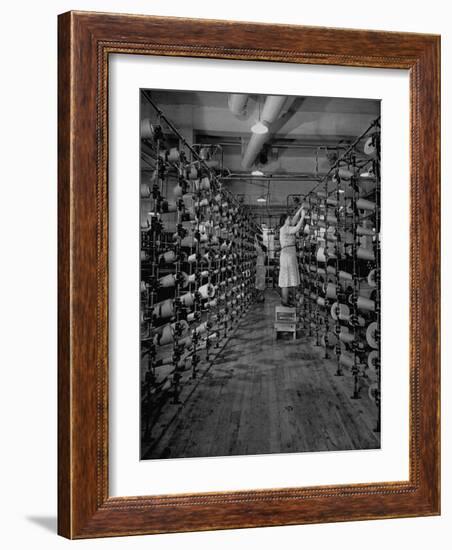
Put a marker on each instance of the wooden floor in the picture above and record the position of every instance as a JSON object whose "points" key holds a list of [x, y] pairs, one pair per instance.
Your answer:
{"points": [[265, 396]]}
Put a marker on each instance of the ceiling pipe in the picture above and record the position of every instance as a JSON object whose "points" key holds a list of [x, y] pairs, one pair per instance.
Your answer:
{"points": [[237, 103], [272, 109], [255, 144]]}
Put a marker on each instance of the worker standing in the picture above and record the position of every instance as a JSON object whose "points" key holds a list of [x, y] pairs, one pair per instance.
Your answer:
{"points": [[289, 277]]}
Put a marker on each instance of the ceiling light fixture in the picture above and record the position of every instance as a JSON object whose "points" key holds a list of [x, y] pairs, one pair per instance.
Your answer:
{"points": [[261, 199], [259, 128], [257, 173]]}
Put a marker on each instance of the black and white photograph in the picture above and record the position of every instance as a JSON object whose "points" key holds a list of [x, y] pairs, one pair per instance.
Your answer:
{"points": [[259, 274]]}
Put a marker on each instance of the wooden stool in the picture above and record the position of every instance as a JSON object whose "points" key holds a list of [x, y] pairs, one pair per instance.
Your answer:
{"points": [[285, 320]]}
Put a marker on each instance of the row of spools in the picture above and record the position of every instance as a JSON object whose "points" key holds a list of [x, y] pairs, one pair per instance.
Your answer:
{"points": [[197, 266], [339, 261]]}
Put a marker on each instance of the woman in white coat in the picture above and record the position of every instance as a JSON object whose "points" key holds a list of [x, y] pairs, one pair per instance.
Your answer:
{"points": [[289, 277]]}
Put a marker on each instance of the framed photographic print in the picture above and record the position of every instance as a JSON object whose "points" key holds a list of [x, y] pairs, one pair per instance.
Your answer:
{"points": [[248, 275]]}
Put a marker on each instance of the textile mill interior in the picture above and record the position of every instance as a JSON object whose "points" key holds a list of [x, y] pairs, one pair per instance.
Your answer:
{"points": [[260, 274]]}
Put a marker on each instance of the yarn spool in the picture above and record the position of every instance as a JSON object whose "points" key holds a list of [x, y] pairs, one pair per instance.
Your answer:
{"points": [[340, 311], [143, 286], [167, 281], [329, 340], [360, 321], [321, 254], [184, 279], [361, 230], [365, 241], [345, 276], [164, 310], [346, 337], [188, 215], [204, 153], [178, 191], [165, 361], [202, 275], [145, 191], [331, 291], [170, 280], [204, 184], [371, 335], [369, 147], [207, 291], [147, 130], [365, 254], [373, 359], [212, 336], [191, 317], [347, 360], [373, 391], [345, 173], [185, 342], [166, 334], [192, 259], [365, 304], [331, 249], [371, 278], [173, 155], [202, 328], [187, 299], [168, 207], [364, 204], [193, 174], [144, 256], [188, 241], [144, 317], [188, 200], [331, 237], [203, 238], [321, 301], [168, 257]]}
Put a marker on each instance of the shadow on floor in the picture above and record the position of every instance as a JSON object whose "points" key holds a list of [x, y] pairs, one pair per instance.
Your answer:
{"points": [[49, 523]]}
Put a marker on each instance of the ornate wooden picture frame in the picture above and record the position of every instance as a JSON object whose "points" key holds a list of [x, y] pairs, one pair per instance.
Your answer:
{"points": [[86, 41]]}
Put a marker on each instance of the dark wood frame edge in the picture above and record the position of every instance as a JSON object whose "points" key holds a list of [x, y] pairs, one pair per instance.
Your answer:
{"points": [[85, 42]]}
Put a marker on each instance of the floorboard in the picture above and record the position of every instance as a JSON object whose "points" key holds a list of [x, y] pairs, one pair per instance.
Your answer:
{"points": [[263, 395]]}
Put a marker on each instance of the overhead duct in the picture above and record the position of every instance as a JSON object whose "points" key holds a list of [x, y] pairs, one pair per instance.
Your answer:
{"points": [[271, 111], [237, 103], [255, 144], [272, 108]]}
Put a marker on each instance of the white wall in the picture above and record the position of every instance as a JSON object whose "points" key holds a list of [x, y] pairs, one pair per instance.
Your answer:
{"points": [[28, 289]]}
